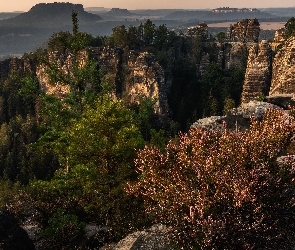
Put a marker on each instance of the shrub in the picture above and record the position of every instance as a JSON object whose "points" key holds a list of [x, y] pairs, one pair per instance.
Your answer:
{"points": [[222, 190]]}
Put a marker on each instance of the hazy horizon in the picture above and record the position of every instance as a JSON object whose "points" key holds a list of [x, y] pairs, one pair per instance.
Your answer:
{"points": [[17, 5]]}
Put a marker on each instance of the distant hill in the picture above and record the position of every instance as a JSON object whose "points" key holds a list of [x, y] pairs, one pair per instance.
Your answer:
{"points": [[50, 15], [209, 16], [280, 12], [5, 15], [24, 32]]}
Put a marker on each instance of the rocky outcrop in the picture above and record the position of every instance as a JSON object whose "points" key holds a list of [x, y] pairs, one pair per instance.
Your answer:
{"points": [[110, 64], [280, 35], [235, 54], [283, 101], [246, 30], [63, 62], [146, 78], [139, 76], [258, 72], [236, 119], [12, 236], [153, 238], [283, 72], [200, 30]]}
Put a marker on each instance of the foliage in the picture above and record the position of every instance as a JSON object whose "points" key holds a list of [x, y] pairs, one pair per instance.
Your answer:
{"points": [[261, 97], [290, 27], [220, 36], [228, 105], [63, 228], [97, 155], [7, 190], [222, 190]]}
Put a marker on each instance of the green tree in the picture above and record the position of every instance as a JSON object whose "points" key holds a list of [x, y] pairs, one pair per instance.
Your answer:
{"points": [[96, 155], [133, 38], [228, 104], [148, 32], [59, 41], [79, 71], [221, 36], [120, 36]]}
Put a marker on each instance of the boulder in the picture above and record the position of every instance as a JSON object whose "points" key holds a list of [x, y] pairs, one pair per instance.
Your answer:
{"points": [[155, 237], [12, 236], [237, 118]]}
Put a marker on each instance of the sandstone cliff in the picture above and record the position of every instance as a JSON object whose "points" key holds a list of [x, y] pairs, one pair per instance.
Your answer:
{"points": [[246, 30], [146, 78], [272, 76], [134, 74], [140, 76], [258, 72], [283, 72]]}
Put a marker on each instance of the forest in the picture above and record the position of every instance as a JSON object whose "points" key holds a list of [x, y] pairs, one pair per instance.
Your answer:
{"points": [[90, 157]]}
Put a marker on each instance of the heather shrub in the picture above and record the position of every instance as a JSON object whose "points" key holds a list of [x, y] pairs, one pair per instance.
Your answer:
{"points": [[222, 190]]}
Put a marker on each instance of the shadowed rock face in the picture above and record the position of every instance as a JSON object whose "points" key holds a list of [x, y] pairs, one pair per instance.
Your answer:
{"points": [[258, 72], [12, 236], [283, 72]]}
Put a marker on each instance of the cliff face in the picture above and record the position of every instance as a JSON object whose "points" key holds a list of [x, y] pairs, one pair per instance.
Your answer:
{"points": [[283, 73], [236, 53], [271, 76], [139, 76], [258, 72], [247, 30], [146, 78], [136, 74]]}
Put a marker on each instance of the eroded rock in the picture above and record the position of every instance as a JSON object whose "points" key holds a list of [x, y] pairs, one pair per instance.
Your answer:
{"points": [[283, 71], [258, 72]]}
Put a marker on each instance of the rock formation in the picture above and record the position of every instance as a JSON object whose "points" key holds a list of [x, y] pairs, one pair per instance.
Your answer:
{"points": [[272, 77], [280, 35], [283, 70], [139, 76], [200, 30], [236, 119], [135, 74], [146, 78], [235, 54], [247, 30], [12, 236], [153, 238], [258, 72]]}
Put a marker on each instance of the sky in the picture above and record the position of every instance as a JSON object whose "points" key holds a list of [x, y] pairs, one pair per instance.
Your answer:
{"points": [[25, 5]]}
